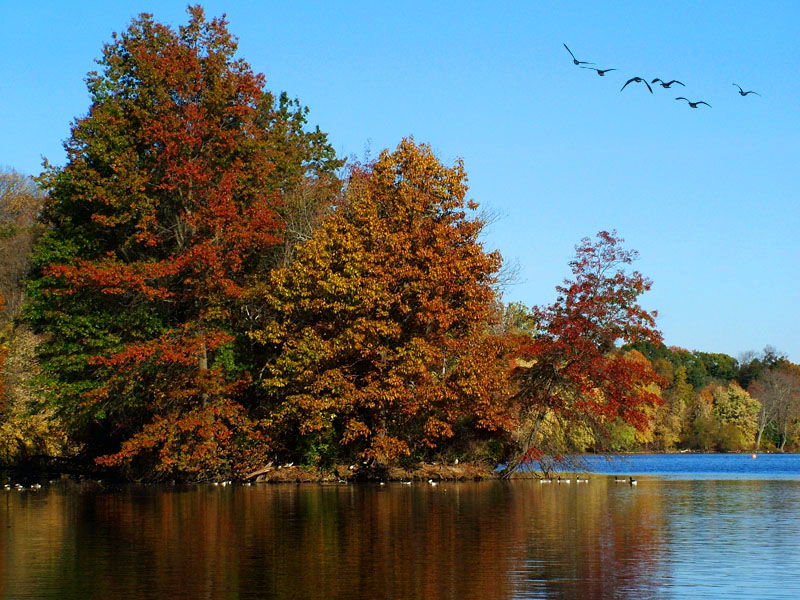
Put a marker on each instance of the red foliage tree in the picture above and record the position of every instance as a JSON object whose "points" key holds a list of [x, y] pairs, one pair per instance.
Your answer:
{"points": [[576, 374], [167, 213]]}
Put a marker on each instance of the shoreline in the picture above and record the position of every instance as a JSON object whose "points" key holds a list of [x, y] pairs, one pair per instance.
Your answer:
{"points": [[361, 474]]}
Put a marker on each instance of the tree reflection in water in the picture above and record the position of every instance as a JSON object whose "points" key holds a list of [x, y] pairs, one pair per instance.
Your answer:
{"points": [[468, 540]]}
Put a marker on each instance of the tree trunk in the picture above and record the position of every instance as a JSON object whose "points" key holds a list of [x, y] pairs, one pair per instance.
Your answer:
{"points": [[203, 360], [761, 427]]}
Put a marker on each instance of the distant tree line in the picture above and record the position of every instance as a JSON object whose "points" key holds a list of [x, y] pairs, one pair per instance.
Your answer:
{"points": [[204, 288], [715, 402]]}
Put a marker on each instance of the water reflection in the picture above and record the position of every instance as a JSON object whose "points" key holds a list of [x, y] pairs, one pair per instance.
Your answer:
{"points": [[675, 539]]}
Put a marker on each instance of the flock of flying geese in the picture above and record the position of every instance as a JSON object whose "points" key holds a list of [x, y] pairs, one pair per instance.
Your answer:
{"points": [[658, 80]]}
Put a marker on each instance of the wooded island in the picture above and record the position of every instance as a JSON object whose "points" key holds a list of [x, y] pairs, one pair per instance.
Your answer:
{"points": [[205, 288]]}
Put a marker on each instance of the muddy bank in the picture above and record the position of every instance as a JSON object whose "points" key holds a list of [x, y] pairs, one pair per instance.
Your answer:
{"points": [[355, 473]]}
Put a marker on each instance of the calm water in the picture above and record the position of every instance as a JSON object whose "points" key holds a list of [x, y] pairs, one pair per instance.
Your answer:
{"points": [[668, 537]]}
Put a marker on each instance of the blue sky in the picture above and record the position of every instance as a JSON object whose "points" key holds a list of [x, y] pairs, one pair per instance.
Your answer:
{"points": [[707, 196]]}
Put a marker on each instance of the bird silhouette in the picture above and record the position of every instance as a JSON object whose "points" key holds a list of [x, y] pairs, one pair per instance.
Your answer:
{"points": [[600, 72], [743, 93], [575, 60], [637, 80], [666, 84], [693, 104]]}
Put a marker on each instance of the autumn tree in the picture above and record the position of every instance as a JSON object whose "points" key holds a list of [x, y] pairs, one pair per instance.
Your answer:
{"points": [[168, 211], [577, 375], [737, 415], [3, 355], [703, 431], [20, 203], [778, 391], [671, 416], [383, 340]]}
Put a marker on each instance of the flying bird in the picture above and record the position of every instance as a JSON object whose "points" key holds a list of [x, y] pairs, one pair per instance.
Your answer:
{"points": [[666, 84], [600, 72], [575, 60], [743, 93], [637, 80], [693, 104]]}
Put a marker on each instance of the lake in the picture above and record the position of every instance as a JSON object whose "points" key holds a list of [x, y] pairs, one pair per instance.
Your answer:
{"points": [[715, 529]]}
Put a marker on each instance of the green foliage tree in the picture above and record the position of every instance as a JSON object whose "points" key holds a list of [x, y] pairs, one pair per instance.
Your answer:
{"points": [[752, 364], [167, 213]]}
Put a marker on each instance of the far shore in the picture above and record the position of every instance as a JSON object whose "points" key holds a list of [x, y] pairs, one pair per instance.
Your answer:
{"points": [[359, 473]]}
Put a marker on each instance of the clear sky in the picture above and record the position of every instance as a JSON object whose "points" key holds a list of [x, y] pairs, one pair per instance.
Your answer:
{"points": [[709, 197]]}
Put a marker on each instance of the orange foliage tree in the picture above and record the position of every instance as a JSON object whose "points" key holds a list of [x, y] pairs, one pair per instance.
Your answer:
{"points": [[382, 340], [167, 213], [575, 373]]}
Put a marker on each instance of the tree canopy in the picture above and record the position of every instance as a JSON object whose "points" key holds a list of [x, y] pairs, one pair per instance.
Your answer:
{"points": [[168, 211], [575, 375], [381, 338]]}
